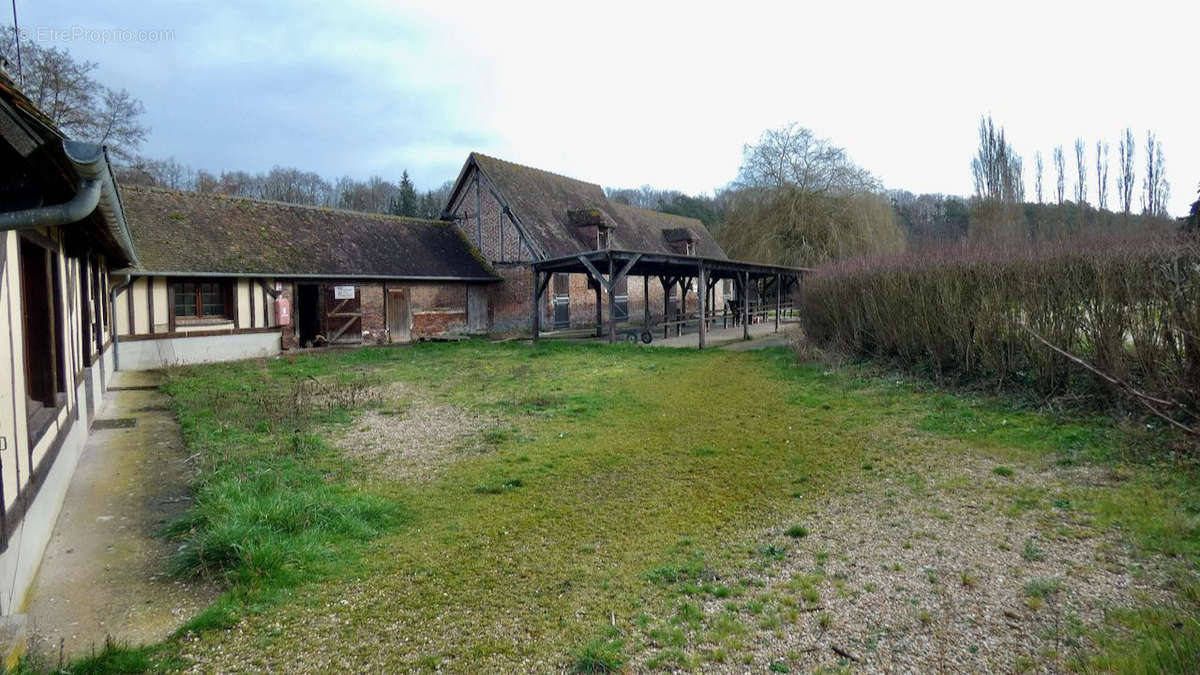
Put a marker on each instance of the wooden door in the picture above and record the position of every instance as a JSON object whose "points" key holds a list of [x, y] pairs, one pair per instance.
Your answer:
{"points": [[562, 300], [399, 318], [343, 314], [477, 309]]}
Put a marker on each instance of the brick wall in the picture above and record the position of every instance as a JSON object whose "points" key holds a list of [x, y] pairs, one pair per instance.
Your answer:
{"points": [[492, 232], [508, 301], [433, 295], [374, 323], [438, 323], [435, 310]]}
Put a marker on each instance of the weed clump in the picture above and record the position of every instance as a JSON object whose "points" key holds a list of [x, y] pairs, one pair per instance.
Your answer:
{"points": [[599, 656]]}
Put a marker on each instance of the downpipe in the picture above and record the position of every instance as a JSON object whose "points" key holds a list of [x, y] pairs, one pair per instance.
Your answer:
{"points": [[113, 292]]}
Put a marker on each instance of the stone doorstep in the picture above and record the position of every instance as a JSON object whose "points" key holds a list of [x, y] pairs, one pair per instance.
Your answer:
{"points": [[13, 638]]}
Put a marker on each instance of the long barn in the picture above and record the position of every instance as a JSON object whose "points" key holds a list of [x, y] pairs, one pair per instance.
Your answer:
{"points": [[572, 258], [225, 278]]}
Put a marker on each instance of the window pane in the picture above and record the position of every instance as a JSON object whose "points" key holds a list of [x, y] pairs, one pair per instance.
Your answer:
{"points": [[185, 299], [212, 300]]}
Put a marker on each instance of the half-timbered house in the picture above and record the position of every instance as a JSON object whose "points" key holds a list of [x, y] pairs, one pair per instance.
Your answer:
{"points": [[61, 230], [224, 278]]}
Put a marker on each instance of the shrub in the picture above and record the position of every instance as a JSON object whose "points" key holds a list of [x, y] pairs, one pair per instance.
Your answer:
{"points": [[1126, 306]]}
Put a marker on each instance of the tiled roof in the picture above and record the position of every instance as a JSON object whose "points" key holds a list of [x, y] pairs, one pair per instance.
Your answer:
{"points": [[543, 202], [200, 233]]}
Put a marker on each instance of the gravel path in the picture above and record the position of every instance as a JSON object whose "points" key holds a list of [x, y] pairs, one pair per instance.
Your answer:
{"points": [[943, 577], [409, 437]]}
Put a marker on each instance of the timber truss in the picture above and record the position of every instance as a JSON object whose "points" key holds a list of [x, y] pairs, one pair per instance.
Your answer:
{"points": [[606, 269]]}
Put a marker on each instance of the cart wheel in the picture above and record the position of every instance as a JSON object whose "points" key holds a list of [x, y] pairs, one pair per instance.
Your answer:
{"points": [[631, 338], [647, 337]]}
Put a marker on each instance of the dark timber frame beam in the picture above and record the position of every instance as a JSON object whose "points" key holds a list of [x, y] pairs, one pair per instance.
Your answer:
{"points": [[608, 284], [684, 271], [540, 281]]}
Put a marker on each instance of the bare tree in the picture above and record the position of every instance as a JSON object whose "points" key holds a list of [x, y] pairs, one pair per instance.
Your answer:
{"points": [[996, 167], [1125, 170], [65, 91], [793, 156], [1102, 174], [206, 182], [116, 123], [237, 183], [1155, 189], [1081, 172], [1060, 168], [166, 173], [799, 199], [1039, 169]]}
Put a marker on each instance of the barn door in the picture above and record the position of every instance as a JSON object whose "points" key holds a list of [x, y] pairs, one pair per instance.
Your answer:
{"points": [[562, 300], [343, 314], [477, 309], [398, 316]]}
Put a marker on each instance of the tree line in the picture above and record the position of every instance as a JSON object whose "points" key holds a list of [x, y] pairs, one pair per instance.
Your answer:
{"points": [[996, 165], [797, 198], [999, 210], [295, 186]]}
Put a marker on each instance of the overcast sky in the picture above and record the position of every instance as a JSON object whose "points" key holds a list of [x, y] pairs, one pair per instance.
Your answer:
{"points": [[625, 94]]}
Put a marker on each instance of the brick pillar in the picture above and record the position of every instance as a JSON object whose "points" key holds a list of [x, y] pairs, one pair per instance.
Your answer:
{"points": [[370, 299], [288, 332]]}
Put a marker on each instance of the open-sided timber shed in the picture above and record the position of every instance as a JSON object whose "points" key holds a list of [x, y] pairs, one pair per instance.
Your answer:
{"points": [[609, 267]]}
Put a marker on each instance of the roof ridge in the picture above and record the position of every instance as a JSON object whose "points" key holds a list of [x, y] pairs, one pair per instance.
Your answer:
{"points": [[275, 202], [607, 199], [549, 173], [655, 211]]}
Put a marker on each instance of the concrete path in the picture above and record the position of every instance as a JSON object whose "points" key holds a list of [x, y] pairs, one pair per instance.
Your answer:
{"points": [[105, 570]]}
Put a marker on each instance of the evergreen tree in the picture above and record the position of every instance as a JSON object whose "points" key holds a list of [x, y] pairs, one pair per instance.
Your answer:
{"points": [[405, 202]]}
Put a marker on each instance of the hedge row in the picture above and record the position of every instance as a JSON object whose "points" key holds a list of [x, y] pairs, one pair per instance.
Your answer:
{"points": [[1130, 308]]}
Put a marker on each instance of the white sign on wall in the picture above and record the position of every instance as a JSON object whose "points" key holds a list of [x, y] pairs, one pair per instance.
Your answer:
{"points": [[343, 292]]}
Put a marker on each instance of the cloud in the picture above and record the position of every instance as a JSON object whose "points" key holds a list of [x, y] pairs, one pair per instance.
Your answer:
{"points": [[626, 93]]}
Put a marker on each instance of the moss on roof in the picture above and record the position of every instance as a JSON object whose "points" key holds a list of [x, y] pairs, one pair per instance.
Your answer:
{"points": [[544, 201], [178, 232]]}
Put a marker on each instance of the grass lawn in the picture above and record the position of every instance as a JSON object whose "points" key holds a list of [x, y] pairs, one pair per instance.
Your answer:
{"points": [[494, 507]]}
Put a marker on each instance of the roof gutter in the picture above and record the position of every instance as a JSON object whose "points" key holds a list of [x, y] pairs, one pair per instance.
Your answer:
{"points": [[97, 189], [287, 275]]}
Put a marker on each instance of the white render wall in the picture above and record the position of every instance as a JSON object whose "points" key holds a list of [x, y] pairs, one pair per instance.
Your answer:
{"points": [[178, 351]]}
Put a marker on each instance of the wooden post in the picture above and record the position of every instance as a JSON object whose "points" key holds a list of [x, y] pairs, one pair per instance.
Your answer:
{"points": [[778, 305], [702, 298], [536, 318], [745, 305], [683, 291], [612, 304], [646, 299], [599, 311], [666, 304]]}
